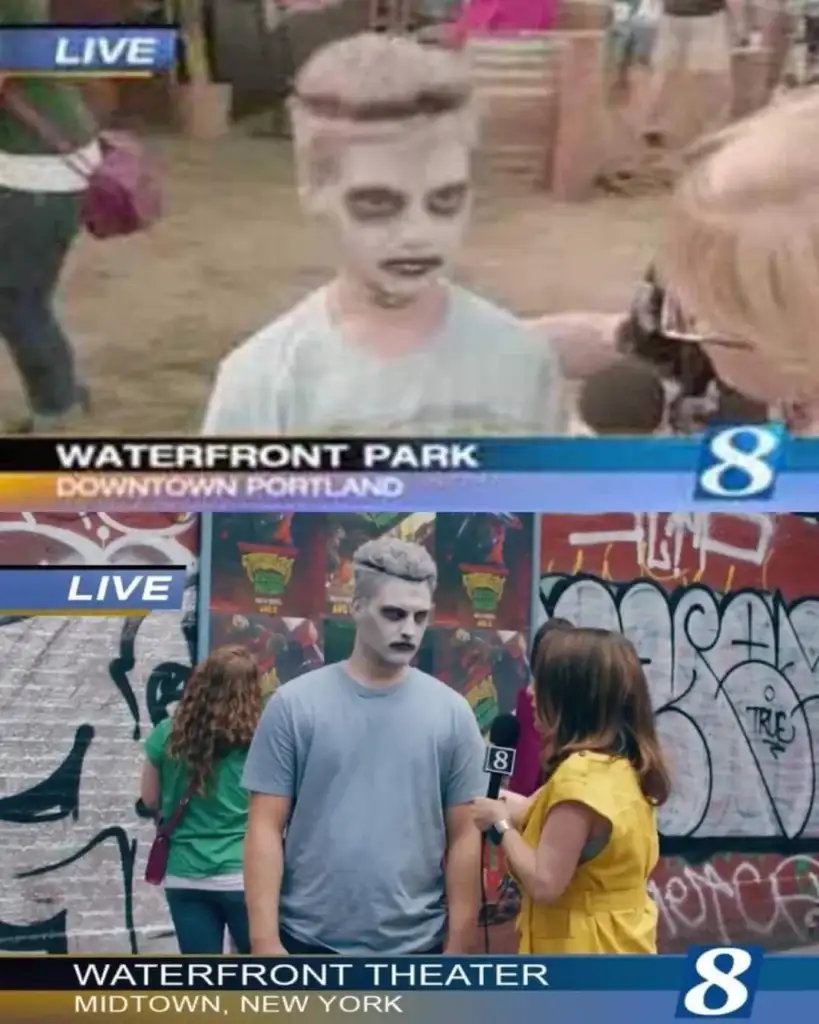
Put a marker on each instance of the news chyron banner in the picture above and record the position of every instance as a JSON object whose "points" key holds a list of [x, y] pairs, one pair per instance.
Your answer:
{"points": [[757, 468], [737, 983], [121, 590]]}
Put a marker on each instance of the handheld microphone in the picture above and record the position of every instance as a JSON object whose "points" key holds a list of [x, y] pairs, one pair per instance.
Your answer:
{"points": [[626, 397], [500, 754], [498, 763]]}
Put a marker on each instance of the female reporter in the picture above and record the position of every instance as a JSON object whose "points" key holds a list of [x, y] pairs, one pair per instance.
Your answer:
{"points": [[584, 847], [193, 777]]}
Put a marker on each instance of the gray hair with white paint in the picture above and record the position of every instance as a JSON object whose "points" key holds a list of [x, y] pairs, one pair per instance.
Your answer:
{"points": [[388, 557]]}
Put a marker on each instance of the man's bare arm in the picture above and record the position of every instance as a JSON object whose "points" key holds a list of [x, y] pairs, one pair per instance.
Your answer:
{"points": [[463, 879], [264, 865]]}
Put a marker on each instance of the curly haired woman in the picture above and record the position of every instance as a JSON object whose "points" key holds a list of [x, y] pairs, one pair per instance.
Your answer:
{"points": [[195, 760]]}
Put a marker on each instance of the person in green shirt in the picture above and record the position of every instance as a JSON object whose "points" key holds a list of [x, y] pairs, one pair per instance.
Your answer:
{"points": [[40, 198], [199, 755]]}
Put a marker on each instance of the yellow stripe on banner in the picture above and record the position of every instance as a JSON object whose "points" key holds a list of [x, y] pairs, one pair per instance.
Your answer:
{"points": [[202, 1007], [20, 492]]}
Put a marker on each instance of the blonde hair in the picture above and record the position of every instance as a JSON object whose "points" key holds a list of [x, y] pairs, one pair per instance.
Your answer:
{"points": [[742, 243], [371, 87]]}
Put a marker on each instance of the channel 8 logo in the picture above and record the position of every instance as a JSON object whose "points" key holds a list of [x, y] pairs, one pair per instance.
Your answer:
{"points": [[720, 981], [741, 462]]}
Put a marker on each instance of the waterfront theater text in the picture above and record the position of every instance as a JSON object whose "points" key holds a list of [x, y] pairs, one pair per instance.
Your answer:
{"points": [[302, 975]]}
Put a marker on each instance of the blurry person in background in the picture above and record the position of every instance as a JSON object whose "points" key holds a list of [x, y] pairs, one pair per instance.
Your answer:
{"points": [[690, 90], [585, 845], [631, 42], [811, 26], [194, 763], [371, 767], [385, 129], [742, 250], [40, 196]]}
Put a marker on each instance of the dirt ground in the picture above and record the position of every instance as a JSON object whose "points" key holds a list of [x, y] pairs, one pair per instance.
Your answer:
{"points": [[152, 315]]}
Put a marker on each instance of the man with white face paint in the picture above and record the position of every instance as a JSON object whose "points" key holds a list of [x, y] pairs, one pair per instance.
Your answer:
{"points": [[370, 765], [384, 131]]}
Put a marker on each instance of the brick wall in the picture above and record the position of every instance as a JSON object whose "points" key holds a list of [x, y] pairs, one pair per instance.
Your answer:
{"points": [[77, 697]]}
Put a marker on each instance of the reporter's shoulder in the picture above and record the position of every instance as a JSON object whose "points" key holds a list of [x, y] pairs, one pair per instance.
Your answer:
{"points": [[274, 346]]}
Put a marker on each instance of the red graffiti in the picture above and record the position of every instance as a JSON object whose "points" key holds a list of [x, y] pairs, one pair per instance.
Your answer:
{"points": [[726, 552]]}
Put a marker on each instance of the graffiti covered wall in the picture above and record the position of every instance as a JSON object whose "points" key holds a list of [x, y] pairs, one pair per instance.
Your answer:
{"points": [[77, 698], [724, 613]]}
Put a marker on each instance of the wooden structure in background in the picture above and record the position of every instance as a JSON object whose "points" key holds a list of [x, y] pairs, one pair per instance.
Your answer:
{"points": [[390, 15]]}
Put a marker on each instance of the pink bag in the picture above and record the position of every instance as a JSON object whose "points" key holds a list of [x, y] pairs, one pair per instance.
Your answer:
{"points": [[123, 194], [156, 866]]}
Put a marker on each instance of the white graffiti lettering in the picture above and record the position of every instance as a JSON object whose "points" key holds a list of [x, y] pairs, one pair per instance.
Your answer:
{"points": [[661, 542], [733, 899], [735, 685]]}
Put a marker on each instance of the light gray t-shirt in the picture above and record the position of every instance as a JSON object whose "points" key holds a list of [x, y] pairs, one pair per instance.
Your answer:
{"points": [[484, 372], [371, 773]]}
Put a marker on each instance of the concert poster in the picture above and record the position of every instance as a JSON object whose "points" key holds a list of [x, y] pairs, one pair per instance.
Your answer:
{"points": [[488, 667], [284, 648], [485, 570], [269, 564]]}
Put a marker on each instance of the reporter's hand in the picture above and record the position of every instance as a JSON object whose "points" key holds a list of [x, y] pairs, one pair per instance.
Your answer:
{"points": [[486, 813]]}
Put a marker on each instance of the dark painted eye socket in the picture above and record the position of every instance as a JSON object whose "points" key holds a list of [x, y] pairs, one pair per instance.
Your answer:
{"points": [[449, 200], [374, 204]]}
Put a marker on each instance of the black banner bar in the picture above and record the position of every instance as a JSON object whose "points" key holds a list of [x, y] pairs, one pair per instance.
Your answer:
{"points": [[235, 455], [88, 975]]}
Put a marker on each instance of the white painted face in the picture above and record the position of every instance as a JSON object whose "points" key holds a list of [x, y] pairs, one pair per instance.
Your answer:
{"points": [[391, 624], [399, 210]]}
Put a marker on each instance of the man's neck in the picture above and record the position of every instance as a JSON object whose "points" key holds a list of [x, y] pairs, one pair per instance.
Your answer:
{"points": [[373, 672], [387, 330]]}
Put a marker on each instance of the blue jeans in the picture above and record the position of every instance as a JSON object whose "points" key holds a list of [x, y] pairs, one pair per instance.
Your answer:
{"points": [[200, 917]]}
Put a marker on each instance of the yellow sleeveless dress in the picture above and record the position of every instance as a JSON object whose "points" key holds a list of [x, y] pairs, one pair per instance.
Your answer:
{"points": [[606, 907]]}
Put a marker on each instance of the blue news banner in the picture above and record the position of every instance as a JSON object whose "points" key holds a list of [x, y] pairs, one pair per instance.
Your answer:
{"points": [[110, 590], [757, 468], [97, 50], [738, 983]]}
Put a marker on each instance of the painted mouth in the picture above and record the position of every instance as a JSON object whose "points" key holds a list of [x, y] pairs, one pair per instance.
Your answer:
{"points": [[412, 267]]}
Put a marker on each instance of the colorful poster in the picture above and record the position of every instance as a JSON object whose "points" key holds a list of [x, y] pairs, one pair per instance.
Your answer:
{"points": [[283, 647], [489, 667], [339, 637], [268, 564], [485, 566], [348, 531]]}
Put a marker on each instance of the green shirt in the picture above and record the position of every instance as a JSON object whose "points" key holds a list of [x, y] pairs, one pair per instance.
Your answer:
{"points": [[209, 840], [60, 102]]}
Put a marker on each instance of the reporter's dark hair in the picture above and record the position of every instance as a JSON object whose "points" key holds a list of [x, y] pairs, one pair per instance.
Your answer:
{"points": [[591, 694], [548, 628]]}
